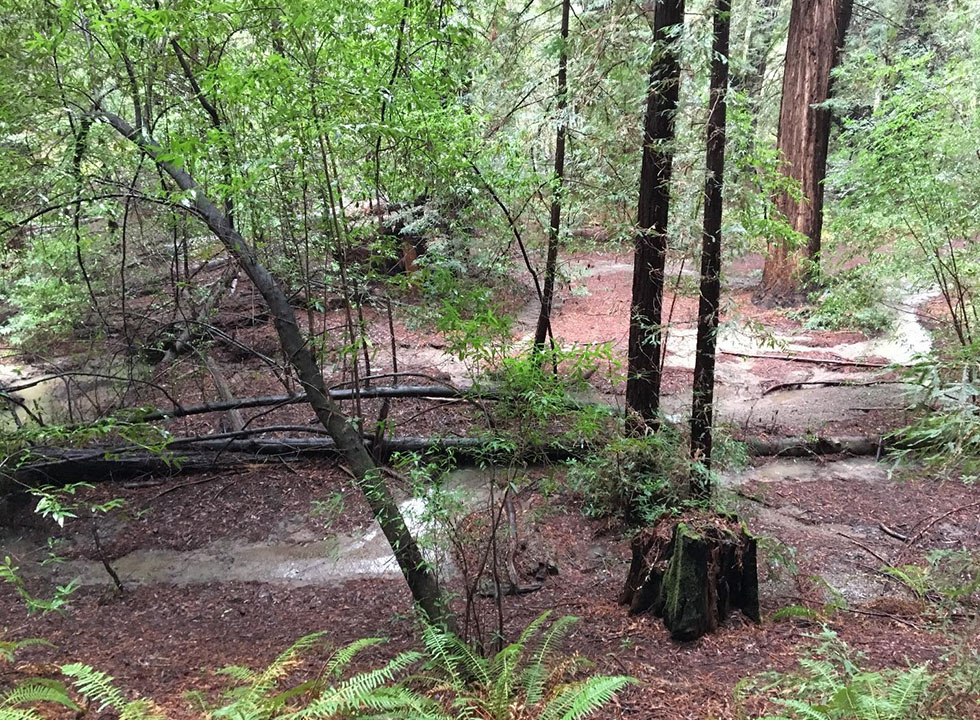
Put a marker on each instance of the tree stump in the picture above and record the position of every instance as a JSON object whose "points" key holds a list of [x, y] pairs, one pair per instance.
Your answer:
{"points": [[694, 574]]}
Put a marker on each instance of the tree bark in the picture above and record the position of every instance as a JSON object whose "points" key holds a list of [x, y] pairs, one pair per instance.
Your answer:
{"points": [[421, 580], [817, 29], [554, 229], [650, 253], [704, 362]]}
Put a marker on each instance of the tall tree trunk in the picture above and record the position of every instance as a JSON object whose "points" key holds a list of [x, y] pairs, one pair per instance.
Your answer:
{"points": [[817, 29], [650, 253], [421, 580], [704, 363], [554, 230]]}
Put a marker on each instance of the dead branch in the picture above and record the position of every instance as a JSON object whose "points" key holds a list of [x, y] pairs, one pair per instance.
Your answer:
{"points": [[829, 383], [812, 361]]}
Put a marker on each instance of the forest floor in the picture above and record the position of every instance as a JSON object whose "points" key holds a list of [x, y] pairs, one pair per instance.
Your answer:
{"points": [[229, 567]]}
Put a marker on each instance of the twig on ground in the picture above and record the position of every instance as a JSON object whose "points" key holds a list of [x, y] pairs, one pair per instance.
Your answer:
{"points": [[865, 548], [189, 483], [929, 525], [893, 533]]}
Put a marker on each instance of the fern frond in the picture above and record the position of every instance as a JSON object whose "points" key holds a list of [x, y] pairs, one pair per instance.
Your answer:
{"points": [[358, 689], [357, 692], [803, 710], [141, 709], [454, 657], [503, 669], [9, 648], [578, 700], [38, 691], [253, 703], [99, 687], [908, 690], [95, 686], [238, 673], [532, 628], [343, 657], [536, 673], [17, 713]]}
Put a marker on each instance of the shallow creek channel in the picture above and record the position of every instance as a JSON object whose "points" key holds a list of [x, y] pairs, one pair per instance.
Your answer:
{"points": [[293, 554]]}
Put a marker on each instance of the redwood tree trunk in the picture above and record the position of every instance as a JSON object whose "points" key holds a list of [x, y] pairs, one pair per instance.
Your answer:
{"points": [[704, 363], [650, 253], [816, 35], [554, 230], [421, 580]]}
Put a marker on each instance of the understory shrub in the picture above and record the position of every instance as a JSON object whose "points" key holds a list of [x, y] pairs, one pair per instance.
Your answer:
{"points": [[640, 480], [850, 300], [637, 480], [946, 434]]}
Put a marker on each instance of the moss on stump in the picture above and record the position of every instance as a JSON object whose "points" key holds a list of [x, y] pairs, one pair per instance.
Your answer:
{"points": [[693, 574]]}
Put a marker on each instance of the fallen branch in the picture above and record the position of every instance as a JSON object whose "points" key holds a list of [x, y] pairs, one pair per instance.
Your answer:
{"points": [[394, 391], [426, 392], [812, 446], [865, 548], [830, 383], [812, 361], [929, 525], [893, 533]]}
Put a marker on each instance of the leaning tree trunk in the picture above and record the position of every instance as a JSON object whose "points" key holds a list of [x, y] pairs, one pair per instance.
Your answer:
{"points": [[693, 575], [554, 230], [650, 254], [704, 362], [816, 35], [421, 580]]}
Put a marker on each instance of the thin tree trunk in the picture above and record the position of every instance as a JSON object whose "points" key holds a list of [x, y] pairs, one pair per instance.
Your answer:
{"points": [[421, 580], [817, 29], [650, 254], [233, 416], [704, 363], [756, 46], [548, 295]]}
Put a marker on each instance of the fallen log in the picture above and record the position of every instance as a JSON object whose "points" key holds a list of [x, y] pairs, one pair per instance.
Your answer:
{"points": [[811, 360], [219, 451], [812, 446], [56, 466], [829, 383], [61, 467]]}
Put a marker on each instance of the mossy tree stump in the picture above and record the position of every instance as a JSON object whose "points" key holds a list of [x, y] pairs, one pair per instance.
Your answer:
{"points": [[694, 574]]}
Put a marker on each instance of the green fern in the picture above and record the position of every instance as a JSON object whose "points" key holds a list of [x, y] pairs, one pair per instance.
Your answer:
{"points": [[361, 695], [522, 681], [830, 685], [23, 700], [96, 686], [9, 648]]}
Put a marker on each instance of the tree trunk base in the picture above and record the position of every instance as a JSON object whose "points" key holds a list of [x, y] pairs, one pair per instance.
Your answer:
{"points": [[693, 574]]}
